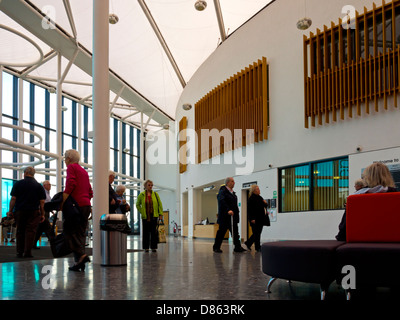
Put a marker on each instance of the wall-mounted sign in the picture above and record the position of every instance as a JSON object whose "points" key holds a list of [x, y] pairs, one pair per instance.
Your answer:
{"points": [[248, 184]]}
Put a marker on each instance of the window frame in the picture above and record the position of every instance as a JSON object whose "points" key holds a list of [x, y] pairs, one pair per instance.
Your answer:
{"points": [[311, 184]]}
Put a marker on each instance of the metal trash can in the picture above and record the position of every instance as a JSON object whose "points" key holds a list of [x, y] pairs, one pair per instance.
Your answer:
{"points": [[114, 229]]}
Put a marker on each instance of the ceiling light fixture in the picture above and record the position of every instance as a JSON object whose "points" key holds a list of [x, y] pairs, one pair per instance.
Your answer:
{"points": [[200, 5], [187, 106], [304, 24], [113, 18], [50, 89]]}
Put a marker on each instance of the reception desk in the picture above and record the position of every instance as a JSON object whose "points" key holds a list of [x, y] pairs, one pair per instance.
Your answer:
{"points": [[207, 231]]}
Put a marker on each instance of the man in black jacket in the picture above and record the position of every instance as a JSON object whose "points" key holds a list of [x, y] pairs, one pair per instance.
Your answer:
{"points": [[27, 206], [227, 207]]}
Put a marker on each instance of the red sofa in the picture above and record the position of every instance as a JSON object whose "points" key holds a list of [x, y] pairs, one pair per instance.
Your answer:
{"points": [[372, 248], [373, 240]]}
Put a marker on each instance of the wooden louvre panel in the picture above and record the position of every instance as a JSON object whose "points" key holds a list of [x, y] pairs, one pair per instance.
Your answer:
{"points": [[345, 68], [239, 103], [182, 154]]}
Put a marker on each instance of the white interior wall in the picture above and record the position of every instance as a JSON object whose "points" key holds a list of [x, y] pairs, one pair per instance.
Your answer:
{"points": [[273, 34], [162, 171]]}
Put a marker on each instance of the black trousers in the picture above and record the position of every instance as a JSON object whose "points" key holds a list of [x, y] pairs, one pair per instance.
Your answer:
{"points": [[256, 236], [149, 234], [27, 222], [221, 233], [76, 234]]}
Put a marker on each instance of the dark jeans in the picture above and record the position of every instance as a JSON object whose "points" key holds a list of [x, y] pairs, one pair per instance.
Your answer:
{"points": [[256, 236], [27, 222], [76, 234], [221, 233], [149, 233]]}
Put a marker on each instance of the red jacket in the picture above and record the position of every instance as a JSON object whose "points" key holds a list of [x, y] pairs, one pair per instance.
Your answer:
{"points": [[78, 185]]}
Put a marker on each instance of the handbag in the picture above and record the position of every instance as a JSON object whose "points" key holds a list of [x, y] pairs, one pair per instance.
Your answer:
{"points": [[161, 237], [266, 221], [59, 245]]}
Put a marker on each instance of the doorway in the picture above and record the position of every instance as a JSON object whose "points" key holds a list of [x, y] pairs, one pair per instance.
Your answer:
{"points": [[245, 231]]}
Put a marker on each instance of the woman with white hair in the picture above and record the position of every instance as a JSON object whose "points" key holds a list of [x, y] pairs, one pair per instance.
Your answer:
{"points": [[123, 206], [78, 187], [378, 179]]}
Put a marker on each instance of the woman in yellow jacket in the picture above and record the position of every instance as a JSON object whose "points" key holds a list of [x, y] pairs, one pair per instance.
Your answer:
{"points": [[150, 207]]}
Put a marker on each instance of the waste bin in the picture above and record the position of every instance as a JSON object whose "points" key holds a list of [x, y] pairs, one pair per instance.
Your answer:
{"points": [[114, 230]]}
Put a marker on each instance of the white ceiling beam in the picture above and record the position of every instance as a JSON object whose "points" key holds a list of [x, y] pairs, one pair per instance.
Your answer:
{"points": [[130, 115], [55, 80], [68, 67], [220, 19], [70, 16], [148, 120], [46, 58], [162, 41], [116, 99], [30, 18]]}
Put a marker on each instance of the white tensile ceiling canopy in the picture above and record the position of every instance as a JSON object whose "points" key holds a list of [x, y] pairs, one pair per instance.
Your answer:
{"points": [[155, 47]]}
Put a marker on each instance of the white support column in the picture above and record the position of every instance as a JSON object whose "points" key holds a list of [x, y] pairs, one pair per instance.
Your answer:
{"points": [[20, 121], [120, 153], [101, 121], [141, 151], [59, 125], [191, 206], [1, 133], [79, 127]]}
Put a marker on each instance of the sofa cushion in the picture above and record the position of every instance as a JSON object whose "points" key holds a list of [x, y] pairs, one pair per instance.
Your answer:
{"points": [[376, 264], [373, 217], [300, 260]]}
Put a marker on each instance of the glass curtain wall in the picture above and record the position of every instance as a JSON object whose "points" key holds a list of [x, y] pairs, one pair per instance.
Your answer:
{"points": [[39, 115]]}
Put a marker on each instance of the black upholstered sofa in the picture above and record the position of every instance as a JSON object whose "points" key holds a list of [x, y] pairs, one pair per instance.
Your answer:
{"points": [[371, 250]]}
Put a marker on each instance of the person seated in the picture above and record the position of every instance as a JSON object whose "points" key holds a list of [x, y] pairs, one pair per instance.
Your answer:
{"points": [[378, 179], [123, 206], [8, 226]]}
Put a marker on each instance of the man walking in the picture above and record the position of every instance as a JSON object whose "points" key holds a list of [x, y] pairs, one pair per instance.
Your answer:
{"points": [[27, 206], [45, 225], [228, 210]]}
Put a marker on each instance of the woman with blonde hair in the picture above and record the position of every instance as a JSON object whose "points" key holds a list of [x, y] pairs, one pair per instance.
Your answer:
{"points": [[378, 179], [256, 215], [150, 207]]}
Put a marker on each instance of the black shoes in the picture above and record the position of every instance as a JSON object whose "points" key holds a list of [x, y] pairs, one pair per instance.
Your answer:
{"points": [[238, 250], [20, 255], [80, 266], [248, 247]]}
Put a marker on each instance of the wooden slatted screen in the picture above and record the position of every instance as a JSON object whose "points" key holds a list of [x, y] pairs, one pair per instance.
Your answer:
{"points": [[182, 154], [239, 103], [347, 67]]}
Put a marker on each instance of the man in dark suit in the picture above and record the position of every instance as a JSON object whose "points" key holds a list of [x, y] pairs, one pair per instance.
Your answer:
{"points": [[227, 208], [27, 205]]}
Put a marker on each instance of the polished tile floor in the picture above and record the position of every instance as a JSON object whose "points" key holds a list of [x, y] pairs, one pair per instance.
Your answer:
{"points": [[182, 269]]}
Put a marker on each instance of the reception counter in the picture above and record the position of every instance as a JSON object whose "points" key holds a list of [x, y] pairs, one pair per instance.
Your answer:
{"points": [[207, 231]]}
